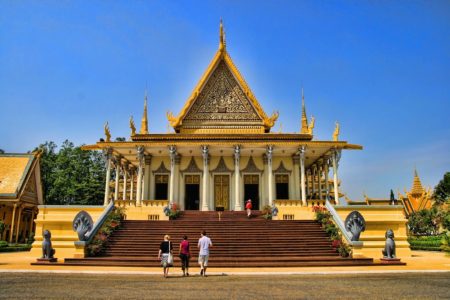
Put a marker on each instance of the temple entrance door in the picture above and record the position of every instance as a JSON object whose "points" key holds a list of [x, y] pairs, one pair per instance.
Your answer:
{"points": [[192, 192], [222, 191], [251, 190]]}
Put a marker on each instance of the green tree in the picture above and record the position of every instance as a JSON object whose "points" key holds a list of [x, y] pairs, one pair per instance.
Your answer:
{"points": [[442, 190], [72, 175], [424, 222], [2, 151]]}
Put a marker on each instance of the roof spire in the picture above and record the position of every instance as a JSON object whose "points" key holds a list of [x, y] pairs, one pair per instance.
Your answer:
{"points": [[144, 122], [222, 43], [304, 127], [417, 188]]}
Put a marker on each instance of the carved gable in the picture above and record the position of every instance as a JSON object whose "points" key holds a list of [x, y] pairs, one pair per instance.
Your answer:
{"points": [[222, 99]]}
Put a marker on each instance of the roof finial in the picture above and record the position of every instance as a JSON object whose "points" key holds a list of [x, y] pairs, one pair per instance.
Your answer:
{"points": [[222, 43], [304, 127], [144, 122]]}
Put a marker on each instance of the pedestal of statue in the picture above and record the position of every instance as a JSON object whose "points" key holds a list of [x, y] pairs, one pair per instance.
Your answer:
{"points": [[390, 261], [47, 260]]}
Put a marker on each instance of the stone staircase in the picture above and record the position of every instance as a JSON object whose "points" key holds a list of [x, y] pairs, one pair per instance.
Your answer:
{"points": [[238, 242]]}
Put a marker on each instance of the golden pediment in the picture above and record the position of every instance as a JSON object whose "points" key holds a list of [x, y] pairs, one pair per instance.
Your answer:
{"points": [[222, 100]]}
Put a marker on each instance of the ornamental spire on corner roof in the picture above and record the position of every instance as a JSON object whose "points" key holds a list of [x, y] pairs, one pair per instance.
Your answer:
{"points": [[417, 188], [144, 122], [222, 42], [304, 127]]}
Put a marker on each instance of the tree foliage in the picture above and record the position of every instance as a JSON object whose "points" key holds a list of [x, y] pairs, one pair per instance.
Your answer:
{"points": [[424, 222], [2, 151], [71, 175], [442, 190]]}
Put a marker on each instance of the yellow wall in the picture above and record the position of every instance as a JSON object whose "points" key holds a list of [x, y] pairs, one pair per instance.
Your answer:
{"points": [[149, 209], [58, 220], [380, 218], [293, 208]]}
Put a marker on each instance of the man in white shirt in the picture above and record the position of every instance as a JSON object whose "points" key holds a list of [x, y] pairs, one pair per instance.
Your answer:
{"points": [[203, 254]]}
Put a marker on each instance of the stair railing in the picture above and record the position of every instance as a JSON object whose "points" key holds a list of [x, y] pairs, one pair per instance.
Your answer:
{"points": [[338, 221], [98, 224]]}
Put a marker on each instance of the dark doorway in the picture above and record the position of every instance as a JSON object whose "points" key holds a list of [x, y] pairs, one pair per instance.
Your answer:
{"points": [[192, 198], [192, 192], [251, 190], [282, 186]]}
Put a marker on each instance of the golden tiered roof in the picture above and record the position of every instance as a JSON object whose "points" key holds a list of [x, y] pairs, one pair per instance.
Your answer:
{"points": [[417, 188], [222, 102]]}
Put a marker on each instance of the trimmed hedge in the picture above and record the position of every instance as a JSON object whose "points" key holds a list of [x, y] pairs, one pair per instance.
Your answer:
{"points": [[3, 244], [16, 248], [427, 243]]}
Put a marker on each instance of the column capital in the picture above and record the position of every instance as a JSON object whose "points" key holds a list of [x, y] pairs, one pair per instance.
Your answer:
{"points": [[302, 149], [269, 151], [237, 152], [205, 153], [107, 152]]}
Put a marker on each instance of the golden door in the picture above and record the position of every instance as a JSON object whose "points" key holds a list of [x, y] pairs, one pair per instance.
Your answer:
{"points": [[222, 191]]}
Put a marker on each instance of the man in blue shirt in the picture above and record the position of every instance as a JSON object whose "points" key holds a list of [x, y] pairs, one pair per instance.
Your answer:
{"points": [[203, 254]]}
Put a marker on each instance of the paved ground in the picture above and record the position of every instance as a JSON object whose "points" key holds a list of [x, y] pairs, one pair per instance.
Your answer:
{"points": [[342, 286]]}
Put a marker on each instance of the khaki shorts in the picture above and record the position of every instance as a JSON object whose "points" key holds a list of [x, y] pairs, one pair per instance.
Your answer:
{"points": [[203, 259]]}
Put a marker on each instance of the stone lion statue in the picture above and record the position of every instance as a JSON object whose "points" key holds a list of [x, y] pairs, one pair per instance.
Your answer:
{"points": [[389, 248], [47, 250]]}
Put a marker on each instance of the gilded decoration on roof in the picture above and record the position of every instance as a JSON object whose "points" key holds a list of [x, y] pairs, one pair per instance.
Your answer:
{"points": [[251, 167], [161, 169], [281, 169], [192, 167], [221, 167], [222, 99]]}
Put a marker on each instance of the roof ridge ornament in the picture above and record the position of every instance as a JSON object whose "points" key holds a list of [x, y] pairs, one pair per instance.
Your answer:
{"points": [[222, 42], [336, 132], [107, 132], [144, 122], [132, 126]]}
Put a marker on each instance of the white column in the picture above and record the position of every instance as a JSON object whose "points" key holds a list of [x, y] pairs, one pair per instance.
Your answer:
{"points": [[327, 170], [302, 174], [146, 180], [140, 156], [132, 171], [335, 158], [176, 184], [319, 180], [237, 175], [296, 176], [269, 153], [205, 154], [116, 186], [172, 154], [125, 173], [108, 156], [313, 181]]}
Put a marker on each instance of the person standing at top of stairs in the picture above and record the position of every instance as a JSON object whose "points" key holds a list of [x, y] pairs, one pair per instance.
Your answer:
{"points": [[248, 207]]}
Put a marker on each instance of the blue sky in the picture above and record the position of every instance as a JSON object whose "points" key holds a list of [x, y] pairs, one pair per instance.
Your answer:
{"points": [[381, 68]]}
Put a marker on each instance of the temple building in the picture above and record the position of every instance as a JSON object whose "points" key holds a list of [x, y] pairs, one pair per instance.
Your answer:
{"points": [[417, 198], [20, 195], [222, 151]]}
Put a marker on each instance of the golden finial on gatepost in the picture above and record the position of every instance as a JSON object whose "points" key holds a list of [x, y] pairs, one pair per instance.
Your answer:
{"points": [[336, 132], [107, 132], [222, 42], [132, 126], [144, 122]]}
